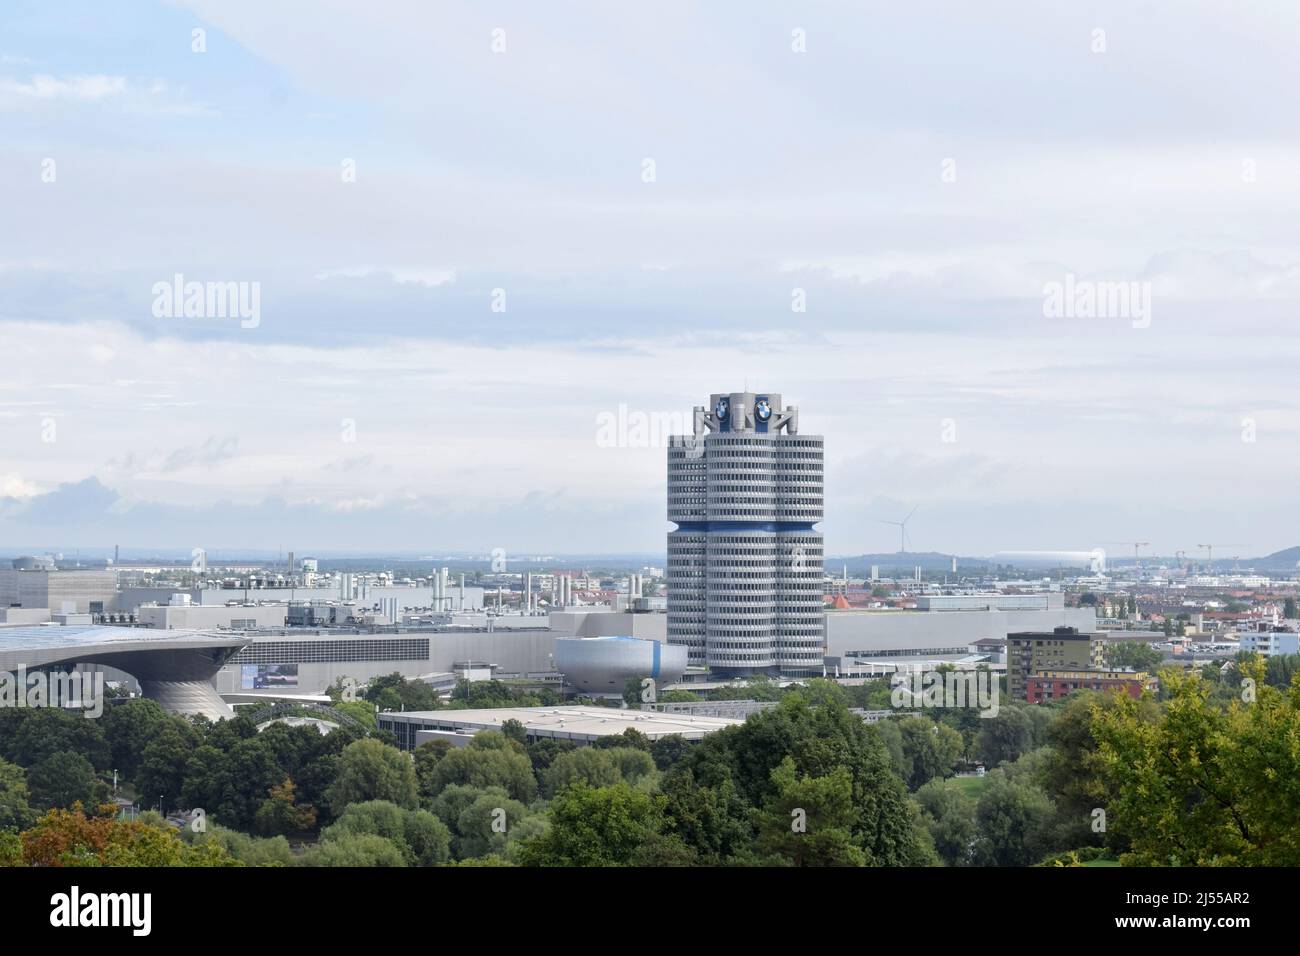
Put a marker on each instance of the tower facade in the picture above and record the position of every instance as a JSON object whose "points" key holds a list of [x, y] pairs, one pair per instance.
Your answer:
{"points": [[745, 560]]}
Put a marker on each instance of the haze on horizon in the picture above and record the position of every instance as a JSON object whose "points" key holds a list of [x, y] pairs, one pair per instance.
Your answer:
{"points": [[381, 404]]}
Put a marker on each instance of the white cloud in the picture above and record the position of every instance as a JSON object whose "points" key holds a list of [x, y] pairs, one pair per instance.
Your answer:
{"points": [[15, 486], [78, 88], [150, 95], [401, 274]]}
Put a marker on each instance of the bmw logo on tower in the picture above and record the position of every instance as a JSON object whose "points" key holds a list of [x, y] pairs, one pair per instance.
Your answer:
{"points": [[745, 560]]}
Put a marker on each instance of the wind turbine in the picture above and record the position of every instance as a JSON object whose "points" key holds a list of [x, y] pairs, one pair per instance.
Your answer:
{"points": [[902, 529]]}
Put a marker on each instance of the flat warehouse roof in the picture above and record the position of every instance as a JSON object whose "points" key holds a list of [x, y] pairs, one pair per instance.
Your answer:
{"points": [[573, 722]]}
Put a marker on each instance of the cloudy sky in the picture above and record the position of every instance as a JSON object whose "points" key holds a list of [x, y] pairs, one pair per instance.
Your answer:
{"points": [[477, 228]]}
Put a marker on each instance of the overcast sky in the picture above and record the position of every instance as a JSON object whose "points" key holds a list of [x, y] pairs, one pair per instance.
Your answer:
{"points": [[644, 187]]}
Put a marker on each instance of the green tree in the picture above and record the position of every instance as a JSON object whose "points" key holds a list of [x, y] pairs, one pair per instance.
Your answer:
{"points": [[543, 751], [629, 738], [60, 780], [280, 813], [454, 800], [668, 750], [1203, 784], [427, 837], [808, 821], [427, 757], [486, 762], [714, 821], [595, 768], [931, 750], [949, 815], [370, 770], [130, 726], [16, 812], [1135, 655], [632, 689], [28, 736], [1280, 669], [516, 731], [1005, 737], [1073, 773], [604, 826], [249, 772], [248, 850], [361, 710], [1012, 819], [891, 737], [634, 765], [421, 838], [163, 762], [820, 740], [486, 824], [679, 697], [366, 850]]}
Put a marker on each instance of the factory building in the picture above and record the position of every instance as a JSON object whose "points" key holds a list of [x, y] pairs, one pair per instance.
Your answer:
{"points": [[36, 583], [181, 614], [306, 661], [901, 634]]}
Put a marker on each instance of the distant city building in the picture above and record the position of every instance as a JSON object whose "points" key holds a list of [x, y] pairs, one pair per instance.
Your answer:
{"points": [[183, 615], [896, 633], [35, 583], [1063, 648], [1050, 685], [992, 601], [1270, 643], [745, 561]]}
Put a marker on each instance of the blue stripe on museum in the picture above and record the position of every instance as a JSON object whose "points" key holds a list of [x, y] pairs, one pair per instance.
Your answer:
{"points": [[699, 527]]}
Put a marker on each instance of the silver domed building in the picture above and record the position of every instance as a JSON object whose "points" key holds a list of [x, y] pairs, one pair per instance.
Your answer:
{"points": [[603, 665]]}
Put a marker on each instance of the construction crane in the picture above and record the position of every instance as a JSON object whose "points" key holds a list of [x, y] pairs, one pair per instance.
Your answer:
{"points": [[1209, 552], [1178, 556], [1136, 546]]}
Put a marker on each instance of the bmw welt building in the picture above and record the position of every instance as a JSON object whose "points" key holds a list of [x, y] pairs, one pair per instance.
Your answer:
{"points": [[745, 561]]}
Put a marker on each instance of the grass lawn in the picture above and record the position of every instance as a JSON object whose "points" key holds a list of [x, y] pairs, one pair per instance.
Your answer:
{"points": [[971, 786]]}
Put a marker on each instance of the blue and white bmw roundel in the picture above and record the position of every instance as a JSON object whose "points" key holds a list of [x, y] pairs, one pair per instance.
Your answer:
{"points": [[763, 409], [722, 409]]}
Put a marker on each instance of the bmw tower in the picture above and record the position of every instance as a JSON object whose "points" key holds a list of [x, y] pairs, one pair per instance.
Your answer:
{"points": [[745, 560]]}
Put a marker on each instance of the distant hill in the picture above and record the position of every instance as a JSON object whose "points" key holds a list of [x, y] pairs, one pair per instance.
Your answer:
{"points": [[1288, 558], [907, 560]]}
